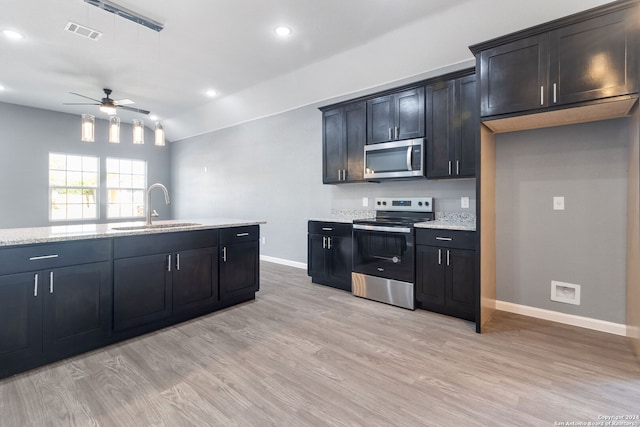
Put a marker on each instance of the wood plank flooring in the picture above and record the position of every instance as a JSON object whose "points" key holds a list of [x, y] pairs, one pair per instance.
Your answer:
{"points": [[307, 355]]}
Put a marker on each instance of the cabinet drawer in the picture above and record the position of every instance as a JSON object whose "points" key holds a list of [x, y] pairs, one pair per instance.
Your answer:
{"points": [[330, 228], [52, 255], [125, 247], [239, 234], [446, 238]]}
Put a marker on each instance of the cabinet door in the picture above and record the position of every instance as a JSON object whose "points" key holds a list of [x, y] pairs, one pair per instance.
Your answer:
{"points": [[440, 111], [460, 295], [77, 308], [333, 142], [380, 119], [467, 126], [239, 269], [195, 279], [20, 320], [141, 290], [355, 118], [594, 59], [514, 76], [430, 276], [339, 262], [409, 114], [316, 256]]}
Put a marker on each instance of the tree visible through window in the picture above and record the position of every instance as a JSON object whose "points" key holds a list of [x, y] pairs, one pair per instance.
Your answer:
{"points": [[73, 187], [126, 183]]}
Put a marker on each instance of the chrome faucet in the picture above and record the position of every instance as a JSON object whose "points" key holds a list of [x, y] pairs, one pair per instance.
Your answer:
{"points": [[150, 212]]}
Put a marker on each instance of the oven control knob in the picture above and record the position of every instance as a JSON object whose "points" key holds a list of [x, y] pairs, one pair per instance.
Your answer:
{"points": [[384, 203], [426, 203], [378, 202], [419, 203]]}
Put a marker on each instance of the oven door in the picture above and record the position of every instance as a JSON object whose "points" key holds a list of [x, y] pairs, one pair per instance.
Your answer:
{"points": [[384, 251]]}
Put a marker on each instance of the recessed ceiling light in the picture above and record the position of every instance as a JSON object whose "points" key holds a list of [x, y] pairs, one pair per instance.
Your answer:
{"points": [[283, 31], [210, 93], [13, 35], [1, 87]]}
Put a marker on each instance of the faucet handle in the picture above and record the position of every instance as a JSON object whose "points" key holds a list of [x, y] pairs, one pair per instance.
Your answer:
{"points": [[154, 214]]}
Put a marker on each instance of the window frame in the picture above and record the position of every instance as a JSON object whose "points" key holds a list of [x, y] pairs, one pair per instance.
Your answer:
{"points": [[52, 187], [132, 188]]}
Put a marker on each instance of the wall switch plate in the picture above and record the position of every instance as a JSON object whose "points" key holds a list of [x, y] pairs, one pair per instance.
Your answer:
{"points": [[568, 293], [464, 202], [365, 201], [558, 203], [263, 240]]}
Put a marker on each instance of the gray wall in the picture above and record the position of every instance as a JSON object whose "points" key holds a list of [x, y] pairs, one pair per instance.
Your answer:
{"points": [[586, 243], [271, 169], [27, 135]]}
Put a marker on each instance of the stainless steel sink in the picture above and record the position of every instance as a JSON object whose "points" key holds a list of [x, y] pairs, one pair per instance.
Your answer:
{"points": [[156, 226]]}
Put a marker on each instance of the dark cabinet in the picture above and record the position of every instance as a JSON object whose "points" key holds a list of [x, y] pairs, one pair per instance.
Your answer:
{"points": [[452, 128], [396, 116], [329, 254], [239, 261], [195, 279], [344, 137], [582, 60], [446, 272]]}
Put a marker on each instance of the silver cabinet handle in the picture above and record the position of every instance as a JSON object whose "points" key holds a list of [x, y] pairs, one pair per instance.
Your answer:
{"points": [[457, 167], [390, 136], [242, 234], [35, 258], [177, 262], [51, 282], [35, 285], [344, 174], [541, 95], [449, 167], [448, 255], [169, 262], [224, 254], [324, 242], [405, 230], [397, 132], [327, 229], [439, 256], [555, 95], [328, 242], [409, 151], [339, 175], [446, 239]]}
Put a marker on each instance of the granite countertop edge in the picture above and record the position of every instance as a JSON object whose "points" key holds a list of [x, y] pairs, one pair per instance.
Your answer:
{"points": [[63, 233]]}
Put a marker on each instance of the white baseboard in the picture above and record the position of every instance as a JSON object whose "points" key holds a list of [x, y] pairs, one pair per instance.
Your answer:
{"points": [[283, 261], [567, 319]]}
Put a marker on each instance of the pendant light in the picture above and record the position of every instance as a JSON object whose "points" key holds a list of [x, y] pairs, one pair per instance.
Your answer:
{"points": [[160, 140], [114, 129], [138, 132], [88, 127]]}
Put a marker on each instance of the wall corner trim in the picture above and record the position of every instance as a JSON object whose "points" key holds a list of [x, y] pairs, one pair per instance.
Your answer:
{"points": [[567, 319], [283, 261]]}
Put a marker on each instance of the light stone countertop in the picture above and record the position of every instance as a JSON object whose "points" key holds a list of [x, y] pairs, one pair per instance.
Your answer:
{"points": [[451, 221], [60, 233]]}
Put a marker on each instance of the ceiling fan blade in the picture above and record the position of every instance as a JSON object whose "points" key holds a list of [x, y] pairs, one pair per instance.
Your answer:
{"points": [[77, 94], [125, 101], [137, 110], [77, 103]]}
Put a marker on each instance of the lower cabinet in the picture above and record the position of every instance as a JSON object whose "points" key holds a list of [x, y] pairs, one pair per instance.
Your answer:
{"points": [[239, 261], [446, 272], [329, 254]]}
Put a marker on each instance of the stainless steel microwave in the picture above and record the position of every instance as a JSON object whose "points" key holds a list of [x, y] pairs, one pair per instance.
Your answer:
{"points": [[396, 159]]}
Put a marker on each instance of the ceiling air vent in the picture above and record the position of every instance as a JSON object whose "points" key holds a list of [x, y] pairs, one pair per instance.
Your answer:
{"points": [[83, 31]]}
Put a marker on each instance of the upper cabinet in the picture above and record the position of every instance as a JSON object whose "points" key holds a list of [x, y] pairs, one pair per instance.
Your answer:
{"points": [[344, 137], [578, 59], [396, 116]]}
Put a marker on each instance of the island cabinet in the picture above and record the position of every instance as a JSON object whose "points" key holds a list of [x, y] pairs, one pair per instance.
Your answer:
{"points": [[55, 301], [239, 261], [162, 275], [452, 127], [446, 272], [343, 141], [396, 116], [581, 58], [329, 254]]}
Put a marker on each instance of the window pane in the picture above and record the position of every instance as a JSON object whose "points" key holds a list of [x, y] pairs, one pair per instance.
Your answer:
{"points": [[57, 178], [73, 182], [125, 166], [59, 196], [138, 197], [113, 166], [126, 181], [74, 163], [113, 180], [57, 161], [89, 179], [138, 181], [138, 167]]}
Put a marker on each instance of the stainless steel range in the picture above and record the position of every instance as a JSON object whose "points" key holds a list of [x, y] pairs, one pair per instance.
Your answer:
{"points": [[384, 251]]}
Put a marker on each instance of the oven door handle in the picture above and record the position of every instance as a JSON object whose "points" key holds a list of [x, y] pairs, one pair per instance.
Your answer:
{"points": [[403, 230]]}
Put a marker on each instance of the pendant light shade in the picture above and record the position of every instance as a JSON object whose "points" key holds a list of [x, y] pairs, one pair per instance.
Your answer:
{"points": [[114, 129], [88, 127], [138, 132], [160, 140]]}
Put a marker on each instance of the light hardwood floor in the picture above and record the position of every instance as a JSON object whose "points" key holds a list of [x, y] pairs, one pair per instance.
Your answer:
{"points": [[304, 354]]}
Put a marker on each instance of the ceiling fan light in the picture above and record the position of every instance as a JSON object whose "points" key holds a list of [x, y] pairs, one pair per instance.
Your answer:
{"points": [[159, 134], [108, 109], [138, 132], [88, 127], [114, 129]]}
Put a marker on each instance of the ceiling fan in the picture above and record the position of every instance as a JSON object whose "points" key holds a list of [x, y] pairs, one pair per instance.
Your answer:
{"points": [[108, 105]]}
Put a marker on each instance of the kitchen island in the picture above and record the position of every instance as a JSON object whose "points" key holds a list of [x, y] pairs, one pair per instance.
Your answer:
{"points": [[65, 290]]}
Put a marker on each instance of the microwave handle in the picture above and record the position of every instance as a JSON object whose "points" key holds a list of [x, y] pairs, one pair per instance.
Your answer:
{"points": [[409, 151]]}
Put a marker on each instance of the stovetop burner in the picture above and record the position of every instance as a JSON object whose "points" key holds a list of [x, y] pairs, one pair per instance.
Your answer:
{"points": [[395, 212]]}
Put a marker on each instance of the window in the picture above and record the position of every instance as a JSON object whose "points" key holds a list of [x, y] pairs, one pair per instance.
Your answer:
{"points": [[73, 187], [126, 183]]}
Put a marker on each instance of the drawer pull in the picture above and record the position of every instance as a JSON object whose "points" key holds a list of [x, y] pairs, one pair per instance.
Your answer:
{"points": [[35, 285], [35, 258], [446, 239], [224, 254], [177, 262], [327, 229], [51, 282], [168, 262], [242, 234]]}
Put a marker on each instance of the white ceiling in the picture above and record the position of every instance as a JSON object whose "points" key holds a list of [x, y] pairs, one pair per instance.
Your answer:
{"points": [[227, 45]]}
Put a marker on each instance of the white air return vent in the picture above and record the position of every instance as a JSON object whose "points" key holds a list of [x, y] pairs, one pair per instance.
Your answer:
{"points": [[83, 31]]}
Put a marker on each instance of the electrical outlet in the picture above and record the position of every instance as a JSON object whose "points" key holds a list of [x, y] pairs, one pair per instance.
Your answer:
{"points": [[464, 202], [558, 203], [263, 240], [365, 201], [565, 292]]}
